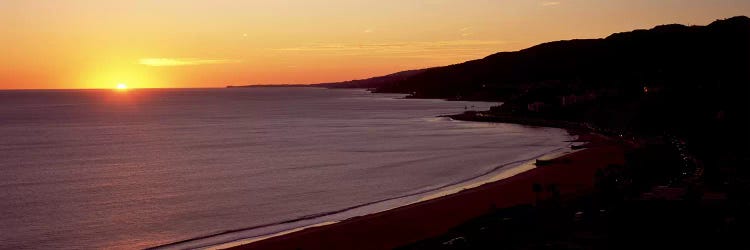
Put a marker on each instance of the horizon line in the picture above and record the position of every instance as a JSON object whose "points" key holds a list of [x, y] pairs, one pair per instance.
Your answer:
{"points": [[150, 88]]}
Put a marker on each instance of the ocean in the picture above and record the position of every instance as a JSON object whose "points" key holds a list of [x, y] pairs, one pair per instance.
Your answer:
{"points": [[83, 169]]}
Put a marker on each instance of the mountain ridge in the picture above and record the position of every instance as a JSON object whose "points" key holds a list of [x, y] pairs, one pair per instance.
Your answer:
{"points": [[498, 70]]}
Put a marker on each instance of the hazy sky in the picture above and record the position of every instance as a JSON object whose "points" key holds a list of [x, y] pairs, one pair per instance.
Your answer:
{"points": [[191, 43]]}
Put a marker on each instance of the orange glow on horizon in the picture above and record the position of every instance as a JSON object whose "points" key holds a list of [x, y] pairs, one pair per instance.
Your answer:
{"points": [[50, 44]]}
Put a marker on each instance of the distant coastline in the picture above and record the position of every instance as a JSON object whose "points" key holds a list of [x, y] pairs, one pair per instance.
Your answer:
{"points": [[269, 86]]}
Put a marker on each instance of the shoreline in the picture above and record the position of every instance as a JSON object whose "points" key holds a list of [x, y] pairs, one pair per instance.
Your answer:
{"points": [[503, 171], [238, 237], [435, 214]]}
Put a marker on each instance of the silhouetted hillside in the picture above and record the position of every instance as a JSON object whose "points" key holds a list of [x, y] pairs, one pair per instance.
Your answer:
{"points": [[670, 55], [374, 82]]}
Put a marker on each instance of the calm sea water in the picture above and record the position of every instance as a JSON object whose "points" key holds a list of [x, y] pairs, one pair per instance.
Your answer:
{"points": [[104, 169]]}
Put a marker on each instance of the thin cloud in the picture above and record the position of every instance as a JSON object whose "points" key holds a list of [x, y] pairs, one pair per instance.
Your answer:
{"points": [[172, 62], [549, 3], [466, 31]]}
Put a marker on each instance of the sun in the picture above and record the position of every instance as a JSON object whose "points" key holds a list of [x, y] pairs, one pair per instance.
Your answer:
{"points": [[121, 86]]}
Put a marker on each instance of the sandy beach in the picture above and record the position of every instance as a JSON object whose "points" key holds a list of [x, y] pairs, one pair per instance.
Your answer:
{"points": [[572, 173]]}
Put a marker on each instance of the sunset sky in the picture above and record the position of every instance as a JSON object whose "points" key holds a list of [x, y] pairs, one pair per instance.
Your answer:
{"points": [[191, 43]]}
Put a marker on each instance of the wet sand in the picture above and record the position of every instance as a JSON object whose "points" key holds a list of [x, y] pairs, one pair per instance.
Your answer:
{"points": [[572, 173]]}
